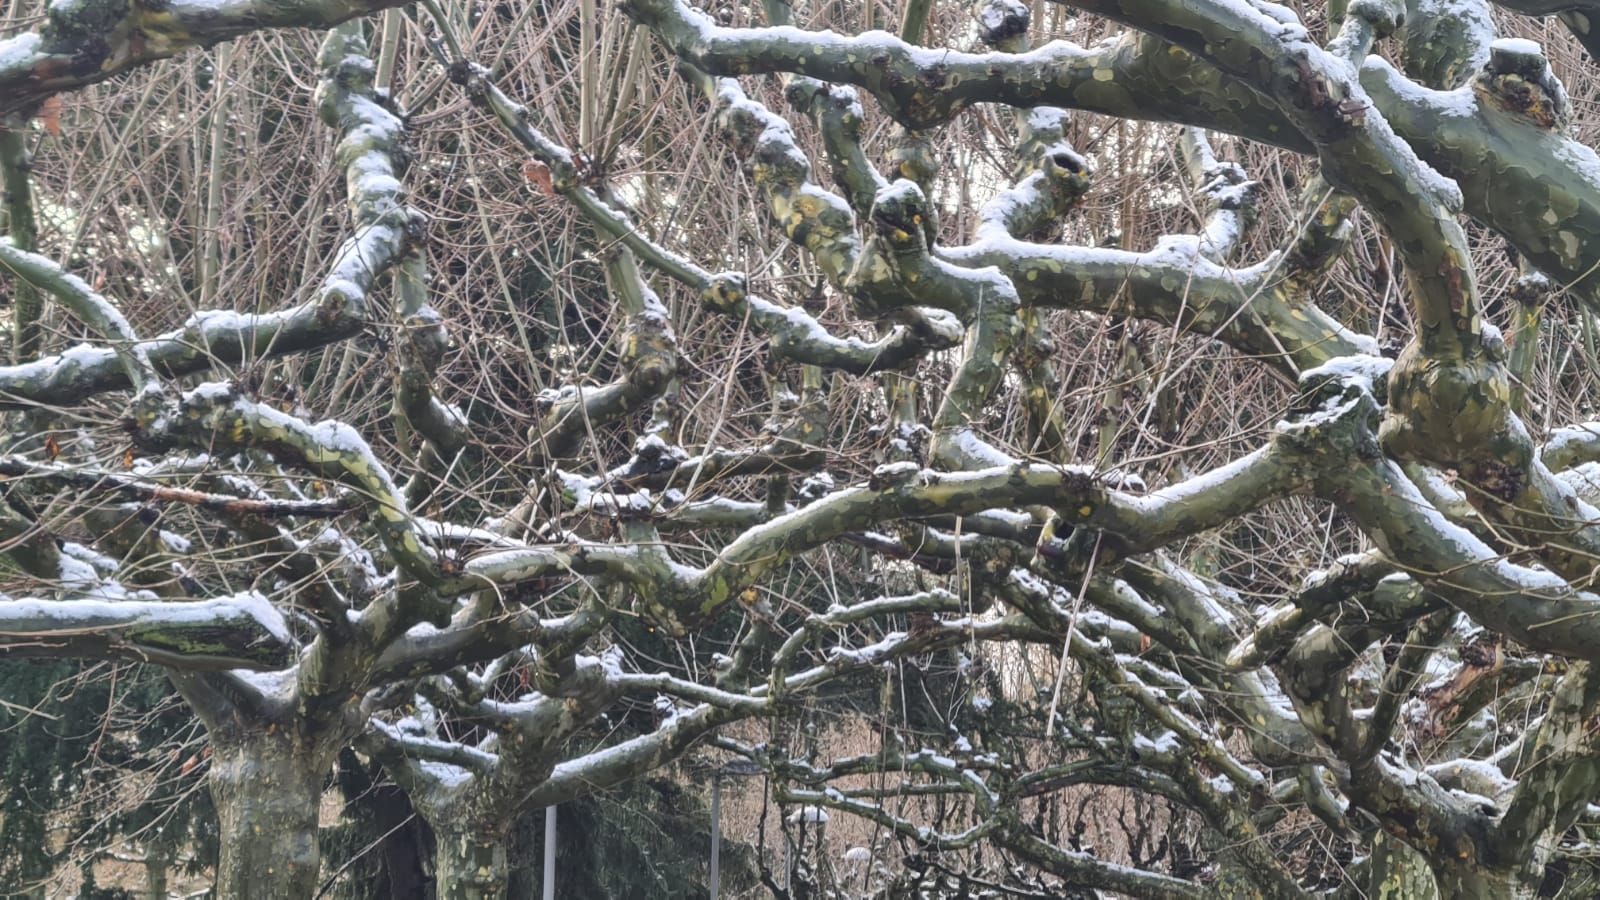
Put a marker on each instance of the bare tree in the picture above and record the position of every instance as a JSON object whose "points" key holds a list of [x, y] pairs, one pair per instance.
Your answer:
{"points": [[1156, 475]]}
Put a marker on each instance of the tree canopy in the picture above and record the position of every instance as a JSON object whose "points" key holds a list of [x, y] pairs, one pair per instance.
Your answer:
{"points": [[979, 421]]}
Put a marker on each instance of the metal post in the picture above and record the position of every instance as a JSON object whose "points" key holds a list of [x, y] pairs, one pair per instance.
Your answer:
{"points": [[549, 853], [716, 835]]}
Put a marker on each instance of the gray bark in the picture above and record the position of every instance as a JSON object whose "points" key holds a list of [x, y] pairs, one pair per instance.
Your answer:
{"points": [[470, 865], [267, 791]]}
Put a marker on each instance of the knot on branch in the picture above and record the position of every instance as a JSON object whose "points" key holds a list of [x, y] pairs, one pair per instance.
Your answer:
{"points": [[1517, 79], [1310, 89]]}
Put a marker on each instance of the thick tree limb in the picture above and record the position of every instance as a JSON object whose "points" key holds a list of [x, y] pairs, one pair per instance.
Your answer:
{"points": [[85, 41], [239, 632]]}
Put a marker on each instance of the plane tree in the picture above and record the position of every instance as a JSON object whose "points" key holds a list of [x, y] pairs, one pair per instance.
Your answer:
{"points": [[1260, 487]]}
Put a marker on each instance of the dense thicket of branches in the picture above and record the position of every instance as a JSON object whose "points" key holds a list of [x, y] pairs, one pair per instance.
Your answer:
{"points": [[1133, 446]]}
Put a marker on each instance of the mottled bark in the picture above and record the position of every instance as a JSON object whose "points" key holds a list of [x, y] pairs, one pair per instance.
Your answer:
{"points": [[469, 865], [86, 42], [267, 789], [1397, 872], [239, 632]]}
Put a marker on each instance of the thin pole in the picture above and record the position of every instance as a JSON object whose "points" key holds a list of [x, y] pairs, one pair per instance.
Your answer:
{"points": [[549, 853], [716, 836]]}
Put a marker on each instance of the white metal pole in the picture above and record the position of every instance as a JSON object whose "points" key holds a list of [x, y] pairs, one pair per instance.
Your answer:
{"points": [[549, 853]]}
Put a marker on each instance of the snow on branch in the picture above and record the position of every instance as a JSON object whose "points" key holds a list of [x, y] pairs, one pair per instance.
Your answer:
{"points": [[88, 305], [82, 42], [925, 87], [137, 488], [242, 631], [796, 334]]}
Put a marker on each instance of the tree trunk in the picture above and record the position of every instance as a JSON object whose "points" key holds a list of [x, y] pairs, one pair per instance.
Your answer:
{"points": [[469, 866], [267, 791], [156, 865], [1399, 873]]}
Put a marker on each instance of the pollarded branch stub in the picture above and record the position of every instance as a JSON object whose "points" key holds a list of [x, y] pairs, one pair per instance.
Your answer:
{"points": [[813, 97], [725, 292], [1517, 79], [898, 214], [649, 353], [1385, 16], [1531, 290], [427, 338], [1068, 171], [914, 157], [1335, 415], [1001, 22]]}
